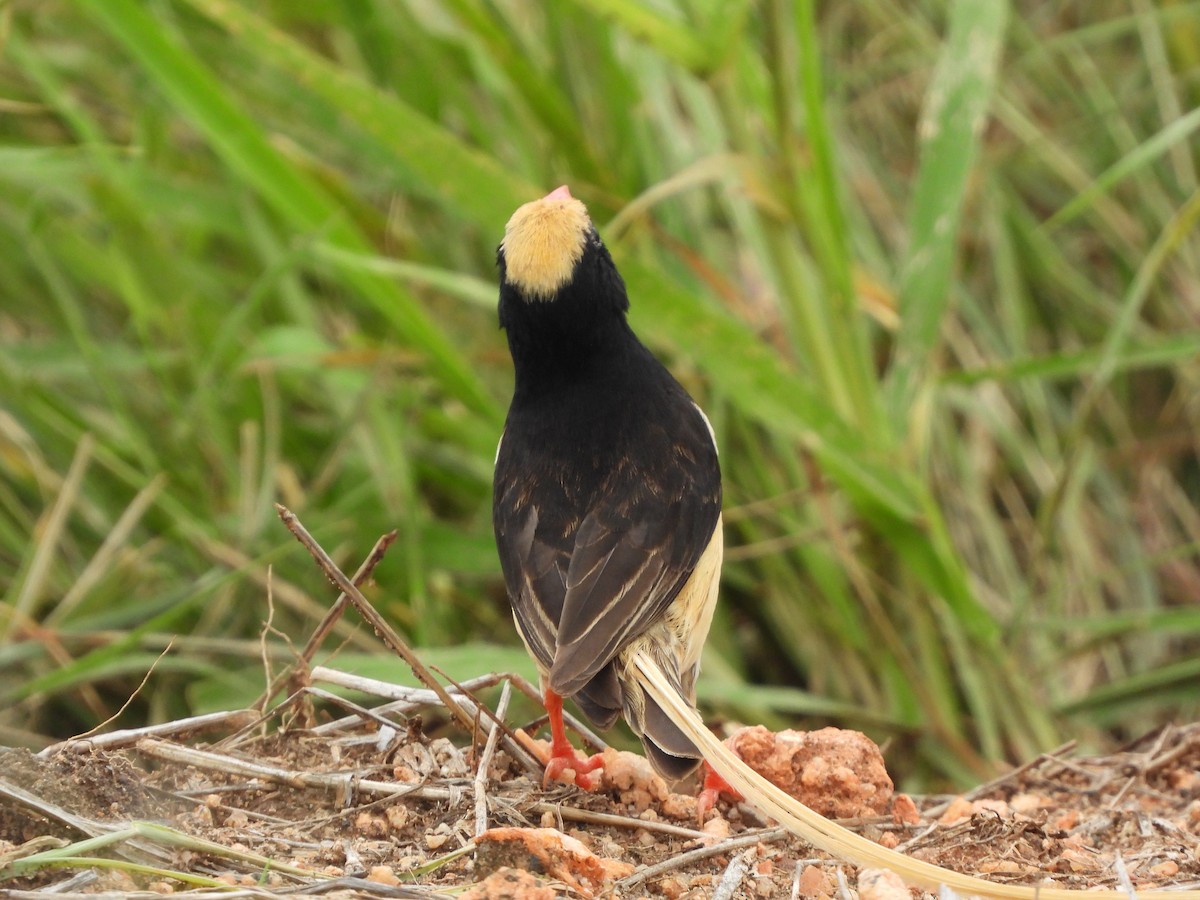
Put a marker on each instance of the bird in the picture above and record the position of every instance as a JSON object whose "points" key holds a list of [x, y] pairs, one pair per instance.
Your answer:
{"points": [[607, 493], [606, 508]]}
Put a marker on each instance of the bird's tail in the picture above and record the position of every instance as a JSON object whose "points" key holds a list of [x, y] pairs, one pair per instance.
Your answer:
{"points": [[663, 691], [673, 754]]}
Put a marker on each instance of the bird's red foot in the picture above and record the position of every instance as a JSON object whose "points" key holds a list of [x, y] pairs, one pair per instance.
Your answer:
{"points": [[562, 755], [714, 787], [566, 758]]}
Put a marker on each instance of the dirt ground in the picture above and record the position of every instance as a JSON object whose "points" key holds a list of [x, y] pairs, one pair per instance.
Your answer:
{"points": [[369, 805]]}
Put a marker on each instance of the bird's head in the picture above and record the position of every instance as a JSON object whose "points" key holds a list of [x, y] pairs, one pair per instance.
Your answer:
{"points": [[562, 301], [544, 242], [551, 252]]}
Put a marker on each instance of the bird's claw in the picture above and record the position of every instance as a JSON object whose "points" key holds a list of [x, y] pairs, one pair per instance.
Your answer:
{"points": [[582, 767], [713, 787]]}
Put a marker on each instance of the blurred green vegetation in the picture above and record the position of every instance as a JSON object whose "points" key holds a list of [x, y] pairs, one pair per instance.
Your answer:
{"points": [[932, 269]]}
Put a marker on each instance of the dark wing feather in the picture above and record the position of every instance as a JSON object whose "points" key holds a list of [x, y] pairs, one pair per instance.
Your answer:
{"points": [[629, 563], [535, 571], [594, 555], [602, 698]]}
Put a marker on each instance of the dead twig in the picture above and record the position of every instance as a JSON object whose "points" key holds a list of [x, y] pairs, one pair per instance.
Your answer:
{"points": [[511, 743], [18, 796], [735, 873], [405, 699], [361, 712], [1163, 760], [469, 703], [331, 616], [485, 759], [426, 697], [237, 737], [348, 782], [127, 737], [686, 859], [93, 828], [362, 887], [345, 783], [934, 811], [385, 631]]}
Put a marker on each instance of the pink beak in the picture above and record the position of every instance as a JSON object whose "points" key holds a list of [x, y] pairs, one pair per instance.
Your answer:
{"points": [[559, 193]]}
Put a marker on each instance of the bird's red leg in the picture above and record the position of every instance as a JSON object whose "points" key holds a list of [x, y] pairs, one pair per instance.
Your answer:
{"points": [[562, 755], [714, 787]]}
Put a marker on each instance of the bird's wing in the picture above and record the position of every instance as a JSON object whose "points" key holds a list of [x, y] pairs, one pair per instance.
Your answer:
{"points": [[629, 561], [535, 570], [587, 576]]}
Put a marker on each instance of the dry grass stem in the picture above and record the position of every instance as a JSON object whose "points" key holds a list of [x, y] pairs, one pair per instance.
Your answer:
{"points": [[485, 759], [382, 628], [415, 697], [180, 728], [327, 623], [406, 699], [733, 876], [691, 856]]}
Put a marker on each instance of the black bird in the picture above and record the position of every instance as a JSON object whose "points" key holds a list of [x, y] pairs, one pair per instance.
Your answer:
{"points": [[607, 497]]}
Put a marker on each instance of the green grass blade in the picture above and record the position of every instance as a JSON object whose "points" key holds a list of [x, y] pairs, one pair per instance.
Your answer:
{"points": [[674, 39], [1175, 134], [1163, 352], [854, 362], [442, 166], [744, 368], [242, 144], [952, 122]]}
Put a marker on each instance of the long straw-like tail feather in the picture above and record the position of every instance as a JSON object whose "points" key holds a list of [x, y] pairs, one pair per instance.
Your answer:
{"points": [[833, 838]]}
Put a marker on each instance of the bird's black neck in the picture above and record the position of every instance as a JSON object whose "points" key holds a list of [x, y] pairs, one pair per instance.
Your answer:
{"points": [[577, 334], [551, 351]]}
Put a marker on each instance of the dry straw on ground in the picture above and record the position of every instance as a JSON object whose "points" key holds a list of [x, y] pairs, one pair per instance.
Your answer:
{"points": [[289, 799]]}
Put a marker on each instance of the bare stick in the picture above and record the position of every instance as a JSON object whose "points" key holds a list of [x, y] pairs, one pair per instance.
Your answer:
{"points": [[376, 687], [485, 760], [237, 737], [13, 795], [1165, 759], [405, 699], [468, 703], [518, 750], [686, 859], [409, 698], [735, 874], [934, 811], [93, 828], [232, 765], [235, 718], [361, 713], [331, 617], [348, 781], [385, 631]]}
